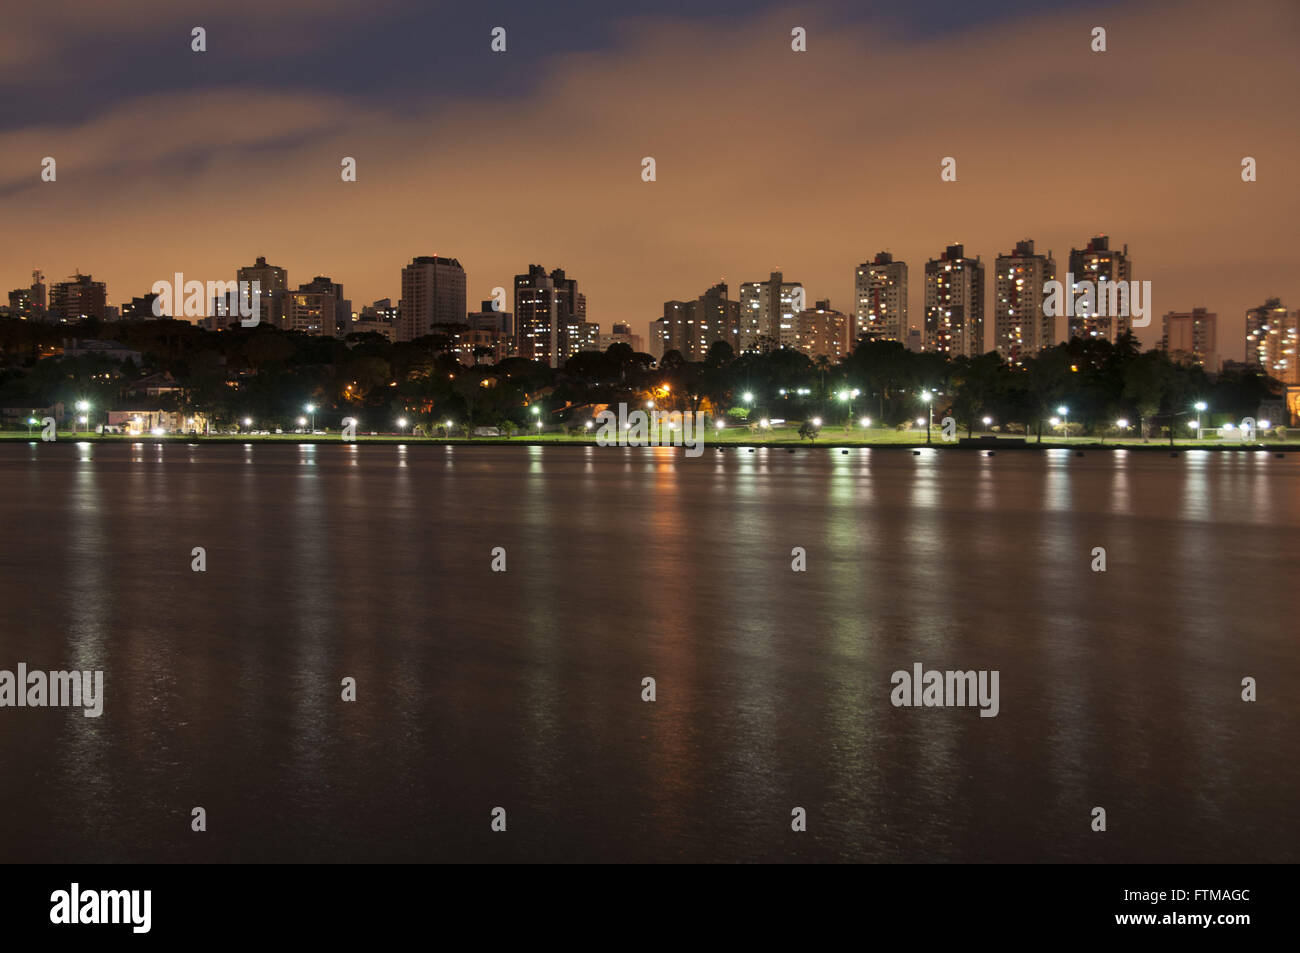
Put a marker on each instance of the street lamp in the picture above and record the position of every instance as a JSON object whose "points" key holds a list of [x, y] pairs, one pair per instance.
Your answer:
{"points": [[748, 398], [1200, 406], [311, 409], [84, 407], [248, 422], [31, 422], [1065, 413], [302, 422], [401, 423], [988, 421], [848, 396], [929, 401]]}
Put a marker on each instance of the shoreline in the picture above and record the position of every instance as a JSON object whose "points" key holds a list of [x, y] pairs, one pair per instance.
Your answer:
{"points": [[975, 445]]}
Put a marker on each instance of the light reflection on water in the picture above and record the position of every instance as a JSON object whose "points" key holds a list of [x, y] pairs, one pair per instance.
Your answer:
{"points": [[523, 688]]}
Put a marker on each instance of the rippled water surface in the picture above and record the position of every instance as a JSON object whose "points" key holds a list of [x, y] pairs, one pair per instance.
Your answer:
{"points": [[523, 689]]}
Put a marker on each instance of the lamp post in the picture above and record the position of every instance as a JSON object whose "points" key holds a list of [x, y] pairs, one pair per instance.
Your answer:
{"points": [[929, 402], [848, 397], [311, 409], [84, 407], [1065, 416], [31, 422], [1200, 407]]}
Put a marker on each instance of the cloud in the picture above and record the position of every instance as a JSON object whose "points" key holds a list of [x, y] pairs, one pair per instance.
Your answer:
{"points": [[766, 158]]}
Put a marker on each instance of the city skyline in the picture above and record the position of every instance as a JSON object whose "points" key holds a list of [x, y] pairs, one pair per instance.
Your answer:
{"points": [[762, 317], [237, 164]]}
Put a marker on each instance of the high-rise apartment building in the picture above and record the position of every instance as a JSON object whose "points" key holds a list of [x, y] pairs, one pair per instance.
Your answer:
{"points": [[880, 292], [433, 292], [954, 303], [692, 327], [1190, 337], [548, 310], [77, 298], [1272, 340], [318, 308], [821, 331], [766, 313], [1020, 328], [1101, 265], [272, 287]]}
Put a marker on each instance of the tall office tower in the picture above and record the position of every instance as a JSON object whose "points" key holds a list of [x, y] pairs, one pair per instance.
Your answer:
{"points": [[486, 319], [318, 308], [1102, 266], [1020, 328], [547, 308], [954, 303], [77, 298], [1272, 339], [821, 331], [1190, 337], [273, 287], [880, 291], [622, 334], [766, 313], [433, 292]]}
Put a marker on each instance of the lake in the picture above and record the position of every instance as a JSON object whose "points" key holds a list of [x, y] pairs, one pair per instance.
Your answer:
{"points": [[523, 689]]}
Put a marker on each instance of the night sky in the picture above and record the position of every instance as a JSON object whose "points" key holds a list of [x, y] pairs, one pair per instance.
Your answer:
{"points": [[170, 160]]}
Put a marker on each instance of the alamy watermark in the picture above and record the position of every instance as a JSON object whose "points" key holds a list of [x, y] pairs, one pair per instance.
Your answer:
{"points": [[947, 689], [658, 428], [75, 906], [1100, 299], [195, 299], [36, 689]]}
